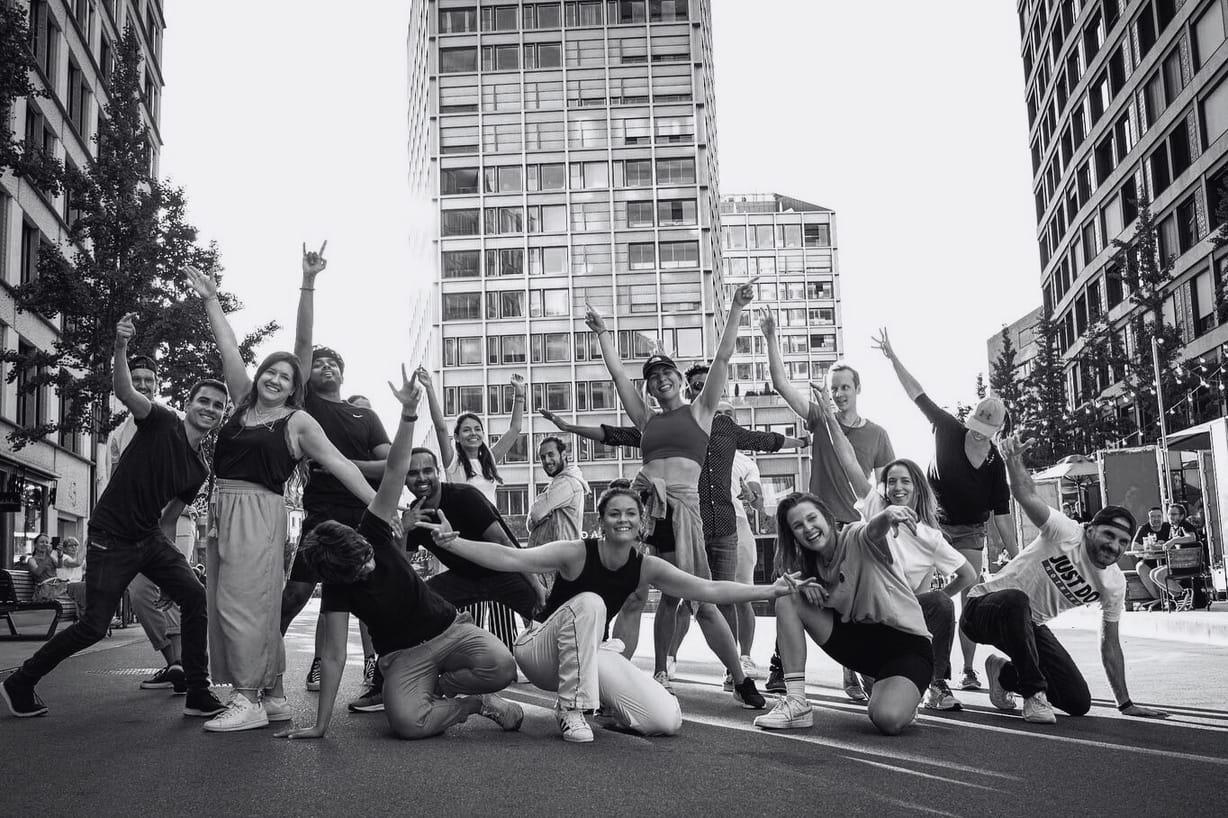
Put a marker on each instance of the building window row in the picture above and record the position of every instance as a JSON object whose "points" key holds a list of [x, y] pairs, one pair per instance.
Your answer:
{"points": [[581, 14], [552, 135], [768, 236], [555, 176]]}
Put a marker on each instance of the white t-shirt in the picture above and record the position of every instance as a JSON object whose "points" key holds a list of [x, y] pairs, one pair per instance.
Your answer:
{"points": [[915, 554], [744, 471], [456, 474], [1056, 574]]}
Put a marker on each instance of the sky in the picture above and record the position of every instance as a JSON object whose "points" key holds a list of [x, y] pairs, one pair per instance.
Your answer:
{"points": [[286, 122]]}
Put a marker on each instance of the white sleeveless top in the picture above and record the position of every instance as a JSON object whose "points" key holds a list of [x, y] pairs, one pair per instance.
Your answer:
{"points": [[456, 474]]}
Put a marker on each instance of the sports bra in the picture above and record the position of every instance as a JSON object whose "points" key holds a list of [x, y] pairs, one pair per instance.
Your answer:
{"points": [[674, 434]]}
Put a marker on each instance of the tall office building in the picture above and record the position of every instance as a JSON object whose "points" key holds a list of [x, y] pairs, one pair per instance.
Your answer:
{"points": [[1127, 101], [46, 486], [562, 153]]}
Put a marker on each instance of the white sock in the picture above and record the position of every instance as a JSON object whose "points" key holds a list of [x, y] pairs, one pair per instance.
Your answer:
{"points": [[795, 685]]}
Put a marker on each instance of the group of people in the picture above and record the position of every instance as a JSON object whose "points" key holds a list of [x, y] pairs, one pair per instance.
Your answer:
{"points": [[1164, 532], [856, 556]]}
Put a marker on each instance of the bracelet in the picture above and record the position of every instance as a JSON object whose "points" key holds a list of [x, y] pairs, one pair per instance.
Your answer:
{"points": [[1125, 705], [519, 398], [306, 289], [409, 418]]}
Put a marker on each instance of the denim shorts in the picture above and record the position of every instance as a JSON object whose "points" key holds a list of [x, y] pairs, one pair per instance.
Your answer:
{"points": [[722, 557]]}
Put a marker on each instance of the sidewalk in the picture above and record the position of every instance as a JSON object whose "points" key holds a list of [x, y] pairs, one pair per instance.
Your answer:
{"points": [[1202, 627], [15, 651]]}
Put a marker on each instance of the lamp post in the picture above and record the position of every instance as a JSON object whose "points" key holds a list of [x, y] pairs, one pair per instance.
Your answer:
{"points": [[1162, 444]]}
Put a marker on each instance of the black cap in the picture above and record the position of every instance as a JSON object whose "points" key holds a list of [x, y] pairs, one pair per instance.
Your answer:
{"points": [[658, 360], [328, 352], [1116, 516]]}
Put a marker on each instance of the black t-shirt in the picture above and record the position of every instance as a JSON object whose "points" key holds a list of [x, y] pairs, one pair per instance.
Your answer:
{"points": [[159, 465], [355, 432], [397, 607], [470, 514], [1159, 536], [966, 496]]}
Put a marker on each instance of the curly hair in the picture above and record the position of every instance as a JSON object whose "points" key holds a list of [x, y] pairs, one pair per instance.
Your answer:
{"points": [[335, 552]]}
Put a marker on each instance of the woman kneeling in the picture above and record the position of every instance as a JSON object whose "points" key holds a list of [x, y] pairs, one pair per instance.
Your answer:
{"points": [[862, 612]]}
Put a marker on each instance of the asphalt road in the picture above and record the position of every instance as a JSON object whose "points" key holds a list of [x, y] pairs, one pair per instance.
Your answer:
{"points": [[108, 748]]}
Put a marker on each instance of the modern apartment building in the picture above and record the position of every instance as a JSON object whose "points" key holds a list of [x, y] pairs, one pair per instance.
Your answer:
{"points": [[48, 486], [1022, 333], [1127, 102], [562, 153]]}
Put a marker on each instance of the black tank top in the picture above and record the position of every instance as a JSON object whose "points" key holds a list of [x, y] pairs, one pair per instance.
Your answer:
{"points": [[612, 586], [258, 454]]}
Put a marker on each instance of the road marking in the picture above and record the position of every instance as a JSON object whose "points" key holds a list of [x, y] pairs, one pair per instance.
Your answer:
{"points": [[930, 776]]}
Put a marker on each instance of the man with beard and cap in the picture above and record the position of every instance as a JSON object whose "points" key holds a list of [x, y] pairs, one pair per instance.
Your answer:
{"points": [[360, 437], [1069, 564], [558, 512]]}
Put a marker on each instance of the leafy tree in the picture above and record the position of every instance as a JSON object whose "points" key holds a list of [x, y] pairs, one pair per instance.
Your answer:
{"points": [[129, 241], [980, 385], [1043, 398], [1002, 378]]}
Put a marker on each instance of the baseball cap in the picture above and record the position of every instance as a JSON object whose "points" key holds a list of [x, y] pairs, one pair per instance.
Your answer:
{"points": [[1118, 517], [988, 416], [328, 352], [658, 360]]}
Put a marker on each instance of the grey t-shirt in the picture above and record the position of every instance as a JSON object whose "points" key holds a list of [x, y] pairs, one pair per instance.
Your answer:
{"points": [[828, 481]]}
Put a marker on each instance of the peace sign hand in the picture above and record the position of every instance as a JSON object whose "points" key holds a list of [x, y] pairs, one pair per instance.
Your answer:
{"points": [[883, 344], [1015, 446], [408, 394], [201, 282], [313, 262]]}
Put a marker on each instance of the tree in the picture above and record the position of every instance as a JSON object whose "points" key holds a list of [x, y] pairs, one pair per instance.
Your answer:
{"points": [[16, 63], [1043, 398], [128, 243], [980, 385], [1002, 378]]}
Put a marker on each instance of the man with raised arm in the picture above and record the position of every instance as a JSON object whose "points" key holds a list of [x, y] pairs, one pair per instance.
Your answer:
{"points": [[132, 531], [1068, 564], [438, 667], [360, 437]]}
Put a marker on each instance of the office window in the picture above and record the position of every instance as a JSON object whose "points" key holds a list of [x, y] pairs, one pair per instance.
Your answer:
{"points": [[44, 39], [820, 289], [734, 236], [504, 220], [543, 95], [542, 15], [589, 175], [458, 21], [641, 256], [1215, 113], [664, 11], [1203, 290], [462, 306], [679, 254], [506, 179], [817, 235], [1170, 160], [456, 181], [458, 95], [500, 57], [461, 264], [638, 172], [674, 128], [547, 260], [590, 216], [78, 100], [602, 395], [502, 137], [1208, 33], [675, 171], [543, 136], [547, 177], [590, 259], [556, 397], [788, 235], [543, 55], [641, 299], [587, 132], [680, 297], [458, 399], [458, 139], [552, 347], [505, 262], [459, 222], [462, 351], [505, 304], [548, 304], [582, 14], [458, 60], [499, 18], [31, 241], [677, 212], [511, 350], [639, 214], [547, 219]]}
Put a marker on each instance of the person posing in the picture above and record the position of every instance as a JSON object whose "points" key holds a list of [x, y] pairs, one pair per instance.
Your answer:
{"points": [[131, 531], [558, 512], [968, 478], [675, 445], [1148, 545], [257, 451], [438, 667], [42, 564], [863, 612], [564, 650], [1068, 564], [829, 480], [71, 571], [360, 437], [1181, 534]]}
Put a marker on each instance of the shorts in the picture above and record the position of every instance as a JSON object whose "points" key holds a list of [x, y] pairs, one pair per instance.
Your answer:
{"points": [[748, 553], [722, 557], [881, 651], [969, 541], [348, 515]]}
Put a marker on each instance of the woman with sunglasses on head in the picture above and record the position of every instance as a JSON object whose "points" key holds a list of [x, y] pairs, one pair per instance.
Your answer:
{"points": [[257, 450]]}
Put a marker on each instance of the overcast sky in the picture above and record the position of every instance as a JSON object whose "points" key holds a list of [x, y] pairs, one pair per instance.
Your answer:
{"points": [[286, 122]]}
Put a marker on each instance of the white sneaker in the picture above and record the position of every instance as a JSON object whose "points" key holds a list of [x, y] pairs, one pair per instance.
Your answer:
{"points": [[671, 667], [573, 725], [241, 714], [1036, 709], [790, 713], [999, 696], [661, 677], [277, 708], [507, 715], [751, 669]]}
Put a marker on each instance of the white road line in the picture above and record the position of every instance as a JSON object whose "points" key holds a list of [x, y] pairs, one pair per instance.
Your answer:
{"points": [[930, 776]]}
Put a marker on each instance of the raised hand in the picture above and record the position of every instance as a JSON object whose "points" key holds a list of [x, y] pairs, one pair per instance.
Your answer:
{"points": [[1015, 446], [313, 261], [518, 384], [767, 322], [408, 394], [125, 330], [202, 282], [883, 344], [822, 397], [593, 319], [553, 418], [745, 294], [424, 377]]}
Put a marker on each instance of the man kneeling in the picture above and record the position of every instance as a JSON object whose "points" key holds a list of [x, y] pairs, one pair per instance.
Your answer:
{"points": [[438, 667]]}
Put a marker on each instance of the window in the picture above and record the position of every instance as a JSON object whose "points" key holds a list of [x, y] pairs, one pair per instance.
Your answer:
{"points": [[499, 93], [587, 132], [555, 397], [1187, 225], [639, 214], [459, 222], [547, 260], [458, 60], [675, 171], [582, 14], [547, 218], [501, 400], [504, 220], [638, 172], [458, 21], [499, 18], [502, 136], [543, 95], [31, 241], [642, 256], [1203, 290], [734, 237], [458, 139], [547, 177], [589, 175], [1208, 33], [820, 289], [1215, 113], [679, 297], [675, 129], [505, 262], [462, 306], [505, 179], [590, 216], [677, 212], [548, 303], [679, 254], [458, 399], [762, 236], [504, 349], [505, 304], [542, 15], [461, 264], [667, 10], [1170, 160], [462, 351], [31, 406], [551, 347], [78, 99], [456, 181], [44, 39], [817, 235], [543, 55]]}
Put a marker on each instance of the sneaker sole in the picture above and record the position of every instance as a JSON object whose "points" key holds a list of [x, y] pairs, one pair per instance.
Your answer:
{"points": [[312, 688], [4, 692], [1033, 720], [798, 723], [749, 705], [578, 739], [158, 686], [940, 708], [366, 708], [281, 717], [856, 695], [251, 725], [207, 714]]}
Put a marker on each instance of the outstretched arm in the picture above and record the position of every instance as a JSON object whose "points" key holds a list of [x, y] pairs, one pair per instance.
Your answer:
{"points": [[396, 466], [233, 368], [505, 443], [776, 366], [313, 265], [336, 626], [632, 403], [555, 556], [590, 432], [718, 374], [314, 444], [888, 521], [1022, 487], [911, 387], [121, 377], [675, 582], [1114, 661], [446, 452]]}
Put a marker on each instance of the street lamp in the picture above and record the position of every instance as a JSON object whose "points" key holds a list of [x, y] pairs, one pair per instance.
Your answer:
{"points": [[1162, 445]]}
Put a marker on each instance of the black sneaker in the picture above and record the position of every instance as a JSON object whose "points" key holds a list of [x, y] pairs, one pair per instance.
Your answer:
{"points": [[168, 678], [749, 695], [313, 675], [776, 682], [202, 702], [23, 702]]}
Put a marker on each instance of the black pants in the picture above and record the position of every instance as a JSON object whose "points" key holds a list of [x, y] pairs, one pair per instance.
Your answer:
{"points": [[110, 565], [513, 590], [1038, 662]]}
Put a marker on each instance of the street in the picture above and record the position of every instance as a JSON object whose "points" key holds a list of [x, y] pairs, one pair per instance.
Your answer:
{"points": [[108, 748]]}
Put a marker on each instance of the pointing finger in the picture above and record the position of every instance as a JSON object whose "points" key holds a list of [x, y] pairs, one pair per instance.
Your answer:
{"points": [[322, 246]]}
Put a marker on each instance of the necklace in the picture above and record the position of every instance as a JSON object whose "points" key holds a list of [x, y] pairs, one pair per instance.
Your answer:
{"points": [[255, 414]]}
